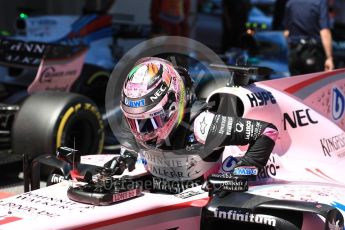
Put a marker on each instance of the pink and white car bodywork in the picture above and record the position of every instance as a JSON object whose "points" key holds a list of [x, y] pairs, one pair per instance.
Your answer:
{"points": [[306, 164]]}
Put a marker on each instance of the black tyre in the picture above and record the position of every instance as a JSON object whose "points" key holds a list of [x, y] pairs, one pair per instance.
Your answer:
{"points": [[47, 120], [93, 79]]}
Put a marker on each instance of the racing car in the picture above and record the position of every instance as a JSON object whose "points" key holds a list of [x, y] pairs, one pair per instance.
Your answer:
{"points": [[301, 187], [53, 77], [49, 71]]}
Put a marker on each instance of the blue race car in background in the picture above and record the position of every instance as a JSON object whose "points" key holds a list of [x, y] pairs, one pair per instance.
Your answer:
{"points": [[36, 109], [53, 76]]}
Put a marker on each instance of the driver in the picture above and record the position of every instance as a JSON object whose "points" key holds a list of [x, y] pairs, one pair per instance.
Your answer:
{"points": [[179, 137]]}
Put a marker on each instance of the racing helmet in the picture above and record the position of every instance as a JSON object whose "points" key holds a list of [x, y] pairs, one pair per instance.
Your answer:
{"points": [[153, 100]]}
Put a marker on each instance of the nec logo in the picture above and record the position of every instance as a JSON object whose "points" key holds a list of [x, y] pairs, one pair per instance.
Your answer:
{"points": [[135, 104], [338, 104], [299, 118], [158, 93], [261, 98]]}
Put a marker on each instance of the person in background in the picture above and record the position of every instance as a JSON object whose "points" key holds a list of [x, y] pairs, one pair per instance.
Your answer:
{"points": [[170, 17], [307, 29]]}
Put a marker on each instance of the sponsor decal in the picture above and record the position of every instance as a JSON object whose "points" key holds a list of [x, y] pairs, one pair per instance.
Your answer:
{"points": [[215, 121], [126, 195], [187, 194], [257, 130], [20, 59], [203, 125], [243, 215], [55, 179], [159, 92], [171, 167], [160, 112], [58, 75], [42, 22], [28, 209], [338, 104], [270, 169], [234, 185], [40, 205], [41, 27], [217, 117], [164, 162], [299, 118], [245, 171], [229, 128], [249, 130], [227, 182], [333, 144], [50, 72], [229, 164], [222, 125], [222, 175], [29, 53], [239, 127], [161, 184], [261, 98], [166, 172], [20, 46], [134, 104]]}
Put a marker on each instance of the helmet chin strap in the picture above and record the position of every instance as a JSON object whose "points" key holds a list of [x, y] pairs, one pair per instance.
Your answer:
{"points": [[188, 82], [152, 142], [160, 143]]}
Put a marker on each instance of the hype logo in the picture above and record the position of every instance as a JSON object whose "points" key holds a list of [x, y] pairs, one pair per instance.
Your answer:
{"points": [[338, 104]]}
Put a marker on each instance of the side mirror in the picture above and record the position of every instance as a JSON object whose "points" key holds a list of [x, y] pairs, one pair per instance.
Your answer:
{"points": [[68, 155]]}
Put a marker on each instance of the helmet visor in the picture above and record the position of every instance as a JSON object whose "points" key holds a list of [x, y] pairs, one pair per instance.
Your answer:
{"points": [[147, 126]]}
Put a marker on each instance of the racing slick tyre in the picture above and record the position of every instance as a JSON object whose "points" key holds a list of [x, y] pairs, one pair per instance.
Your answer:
{"points": [[47, 120], [92, 79]]}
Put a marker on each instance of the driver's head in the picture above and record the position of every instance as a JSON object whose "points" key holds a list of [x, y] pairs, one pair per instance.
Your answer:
{"points": [[153, 99]]}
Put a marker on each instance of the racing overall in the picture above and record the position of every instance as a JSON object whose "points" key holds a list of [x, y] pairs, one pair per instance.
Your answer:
{"points": [[194, 150]]}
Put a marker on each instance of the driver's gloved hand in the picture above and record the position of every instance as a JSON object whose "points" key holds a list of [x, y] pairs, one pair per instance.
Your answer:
{"points": [[244, 170], [208, 187], [126, 160]]}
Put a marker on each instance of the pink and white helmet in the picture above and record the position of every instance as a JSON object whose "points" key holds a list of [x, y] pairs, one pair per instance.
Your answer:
{"points": [[153, 99]]}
